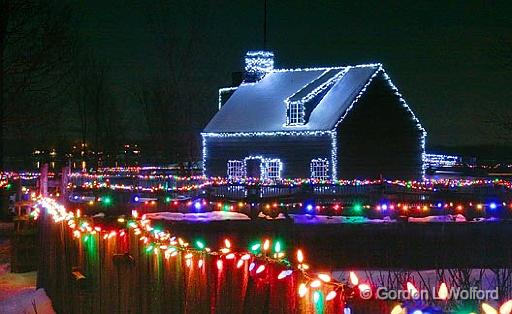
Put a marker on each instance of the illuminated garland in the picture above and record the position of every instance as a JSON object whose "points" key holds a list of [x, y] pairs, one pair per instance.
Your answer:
{"points": [[5, 184], [356, 205], [438, 160], [223, 91], [102, 176], [95, 185], [14, 176], [257, 259], [158, 241], [353, 209], [427, 185]]}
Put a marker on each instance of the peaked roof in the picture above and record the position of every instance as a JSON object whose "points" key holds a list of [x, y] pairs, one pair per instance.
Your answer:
{"points": [[262, 106]]}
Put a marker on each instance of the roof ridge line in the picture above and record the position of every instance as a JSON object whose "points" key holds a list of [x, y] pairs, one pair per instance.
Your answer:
{"points": [[320, 87], [359, 95], [364, 65]]}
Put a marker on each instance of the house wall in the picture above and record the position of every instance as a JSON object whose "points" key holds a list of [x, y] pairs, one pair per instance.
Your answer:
{"points": [[379, 137], [295, 152]]}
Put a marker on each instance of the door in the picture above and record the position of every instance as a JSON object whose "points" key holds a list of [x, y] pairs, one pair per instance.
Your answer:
{"points": [[253, 167]]}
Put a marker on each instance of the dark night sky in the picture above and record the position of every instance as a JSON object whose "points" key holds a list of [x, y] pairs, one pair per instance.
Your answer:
{"points": [[445, 58]]}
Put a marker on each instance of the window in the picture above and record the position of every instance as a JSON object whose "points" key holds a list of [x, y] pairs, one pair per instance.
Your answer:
{"points": [[319, 169], [296, 113], [271, 169], [235, 169]]}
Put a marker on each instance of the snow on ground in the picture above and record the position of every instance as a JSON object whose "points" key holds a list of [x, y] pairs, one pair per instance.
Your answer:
{"points": [[198, 217], [306, 218], [451, 218], [18, 291], [28, 302], [12, 284], [482, 278], [321, 219], [443, 218], [298, 219]]}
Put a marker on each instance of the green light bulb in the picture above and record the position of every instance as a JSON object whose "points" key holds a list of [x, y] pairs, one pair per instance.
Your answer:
{"points": [[107, 200], [277, 247]]}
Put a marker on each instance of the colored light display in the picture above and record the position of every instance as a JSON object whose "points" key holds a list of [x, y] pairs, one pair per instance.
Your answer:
{"points": [[157, 241]]}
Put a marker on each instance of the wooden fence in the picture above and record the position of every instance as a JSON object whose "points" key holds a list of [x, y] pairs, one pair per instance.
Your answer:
{"points": [[117, 274]]}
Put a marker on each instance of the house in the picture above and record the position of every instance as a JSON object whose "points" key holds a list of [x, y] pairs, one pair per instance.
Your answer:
{"points": [[347, 122]]}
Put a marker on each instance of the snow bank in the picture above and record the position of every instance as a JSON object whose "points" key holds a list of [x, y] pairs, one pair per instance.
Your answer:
{"points": [[306, 218], [483, 219], [28, 302], [442, 218], [267, 217], [322, 219], [198, 217]]}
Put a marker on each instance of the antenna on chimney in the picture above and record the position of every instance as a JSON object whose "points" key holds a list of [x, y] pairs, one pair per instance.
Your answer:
{"points": [[264, 24]]}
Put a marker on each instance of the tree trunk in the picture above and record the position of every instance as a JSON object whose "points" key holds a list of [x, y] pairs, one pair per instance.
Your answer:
{"points": [[3, 37]]}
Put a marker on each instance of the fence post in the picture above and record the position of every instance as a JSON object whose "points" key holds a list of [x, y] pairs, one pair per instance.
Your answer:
{"points": [[43, 180], [254, 199], [64, 179]]}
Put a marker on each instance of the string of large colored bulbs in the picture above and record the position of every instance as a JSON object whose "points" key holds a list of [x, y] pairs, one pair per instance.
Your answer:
{"points": [[158, 241], [261, 253], [99, 183]]}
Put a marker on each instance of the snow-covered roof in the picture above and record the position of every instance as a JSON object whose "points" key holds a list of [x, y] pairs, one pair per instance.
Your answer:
{"points": [[262, 106]]}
